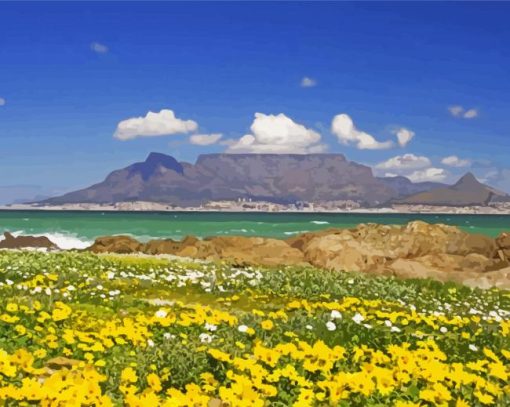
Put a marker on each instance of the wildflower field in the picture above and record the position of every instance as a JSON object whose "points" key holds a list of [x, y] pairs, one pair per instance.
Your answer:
{"points": [[79, 329]]}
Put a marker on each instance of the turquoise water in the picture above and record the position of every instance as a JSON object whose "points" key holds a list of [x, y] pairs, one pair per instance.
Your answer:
{"points": [[78, 228]]}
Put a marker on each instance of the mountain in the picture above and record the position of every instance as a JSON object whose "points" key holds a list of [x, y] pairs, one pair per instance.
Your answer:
{"points": [[466, 192], [405, 187], [282, 178]]}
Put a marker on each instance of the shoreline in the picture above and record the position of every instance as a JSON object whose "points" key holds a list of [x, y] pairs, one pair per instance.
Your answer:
{"points": [[153, 207]]}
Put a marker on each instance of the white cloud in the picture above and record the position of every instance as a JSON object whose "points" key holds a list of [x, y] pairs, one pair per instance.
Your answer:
{"points": [[344, 129], [404, 136], [456, 111], [454, 161], [470, 114], [307, 82], [277, 134], [153, 124], [2, 102], [404, 162], [459, 111], [205, 139], [428, 174], [99, 48]]}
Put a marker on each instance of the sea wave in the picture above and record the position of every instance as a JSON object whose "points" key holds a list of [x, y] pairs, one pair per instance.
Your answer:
{"points": [[295, 232], [67, 241], [320, 222]]}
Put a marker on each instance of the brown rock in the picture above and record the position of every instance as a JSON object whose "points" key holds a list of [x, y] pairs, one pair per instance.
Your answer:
{"points": [[255, 251], [115, 244], [20, 242], [503, 243], [160, 246]]}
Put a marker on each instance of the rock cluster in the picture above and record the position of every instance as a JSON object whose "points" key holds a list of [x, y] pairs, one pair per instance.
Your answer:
{"points": [[415, 250], [19, 242]]}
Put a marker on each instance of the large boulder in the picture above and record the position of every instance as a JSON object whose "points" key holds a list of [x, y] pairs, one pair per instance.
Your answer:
{"points": [[255, 251], [20, 242], [116, 244]]}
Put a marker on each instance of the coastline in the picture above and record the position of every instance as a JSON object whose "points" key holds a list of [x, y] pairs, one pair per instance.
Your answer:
{"points": [[503, 209]]}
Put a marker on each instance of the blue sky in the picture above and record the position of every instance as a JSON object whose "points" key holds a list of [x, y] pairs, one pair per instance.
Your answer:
{"points": [[71, 72]]}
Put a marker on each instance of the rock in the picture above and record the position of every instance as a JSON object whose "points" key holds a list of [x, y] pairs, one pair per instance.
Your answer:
{"points": [[116, 244], [499, 278], [255, 251], [503, 244], [404, 268], [158, 246], [20, 242]]}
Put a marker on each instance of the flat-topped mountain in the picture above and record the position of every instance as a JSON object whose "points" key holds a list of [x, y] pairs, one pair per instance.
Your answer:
{"points": [[467, 191], [283, 178], [279, 178]]}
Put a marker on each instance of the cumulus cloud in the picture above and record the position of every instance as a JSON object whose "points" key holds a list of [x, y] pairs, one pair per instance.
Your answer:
{"points": [[404, 162], [307, 82], [459, 111], [277, 134], [2, 101], [428, 174], [99, 48], [404, 136], [344, 129], [205, 139], [153, 124], [454, 161]]}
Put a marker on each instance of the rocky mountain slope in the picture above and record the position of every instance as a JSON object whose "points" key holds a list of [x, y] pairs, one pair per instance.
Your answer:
{"points": [[466, 192]]}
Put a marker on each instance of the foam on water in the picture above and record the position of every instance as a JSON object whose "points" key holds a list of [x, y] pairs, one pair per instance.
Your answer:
{"points": [[320, 222]]}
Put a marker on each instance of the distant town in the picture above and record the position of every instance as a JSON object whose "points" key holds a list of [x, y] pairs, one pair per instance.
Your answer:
{"points": [[247, 205]]}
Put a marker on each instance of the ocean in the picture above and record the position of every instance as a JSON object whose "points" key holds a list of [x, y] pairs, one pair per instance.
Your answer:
{"points": [[78, 229]]}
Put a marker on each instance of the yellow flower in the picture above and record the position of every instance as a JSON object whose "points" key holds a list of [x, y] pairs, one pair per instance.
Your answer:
{"points": [[11, 307], [154, 382], [267, 324], [129, 375]]}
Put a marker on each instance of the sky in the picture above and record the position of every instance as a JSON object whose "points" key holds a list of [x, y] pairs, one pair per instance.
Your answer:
{"points": [[414, 89]]}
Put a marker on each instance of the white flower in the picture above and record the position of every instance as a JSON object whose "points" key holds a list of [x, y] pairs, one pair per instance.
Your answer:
{"points": [[388, 323], [47, 291], [205, 338], [150, 342], [161, 313], [336, 314], [242, 328], [367, 326], [210, 327], [443, 329], [330, 326], [351, 281], [71, 288], [309, 327], [110, 275], [395, 329], [358, 318], [473, 347], [168, 335]]}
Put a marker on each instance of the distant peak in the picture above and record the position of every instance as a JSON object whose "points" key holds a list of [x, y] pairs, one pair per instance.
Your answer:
{"points": [[152, 162], [468, 178], [153, 157]]}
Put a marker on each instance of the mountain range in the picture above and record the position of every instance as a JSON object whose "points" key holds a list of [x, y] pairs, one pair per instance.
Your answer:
{"points": [[279, 178]]}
